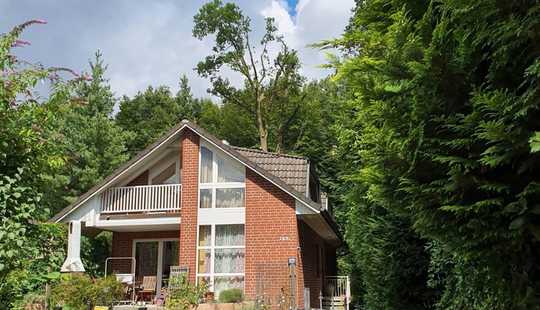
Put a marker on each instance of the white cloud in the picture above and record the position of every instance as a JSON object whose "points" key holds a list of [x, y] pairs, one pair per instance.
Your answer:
{"points": [[315, 20], [151, 43], [279, 11]]}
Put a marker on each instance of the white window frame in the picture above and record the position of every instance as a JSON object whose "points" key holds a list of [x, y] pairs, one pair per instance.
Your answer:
{"points": [[160, 242], [212, 247], [214, 185]]}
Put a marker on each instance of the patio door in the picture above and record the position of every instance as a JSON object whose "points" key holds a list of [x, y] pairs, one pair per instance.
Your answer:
{"points": [[155, 258]]}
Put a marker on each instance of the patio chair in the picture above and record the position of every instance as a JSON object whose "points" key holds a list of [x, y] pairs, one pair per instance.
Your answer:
{"points": [[148, 287]]}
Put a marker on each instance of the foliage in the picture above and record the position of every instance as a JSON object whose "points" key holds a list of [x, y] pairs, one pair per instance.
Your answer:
{"points": [[31, 273], [107, 290], [73, 291], [28, 153], [94, 251], [184, 295], [76, 291], [228, 122], [443, 138], [233, 295], [32, 300], [151, 113], [269, 82], [93, 144]]}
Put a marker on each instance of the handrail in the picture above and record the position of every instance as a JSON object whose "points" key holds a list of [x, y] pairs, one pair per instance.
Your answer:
{"points": [[336, 288], [141, 199]]}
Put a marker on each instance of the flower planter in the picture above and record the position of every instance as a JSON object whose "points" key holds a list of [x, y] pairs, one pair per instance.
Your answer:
{"points": [[225, 306]]}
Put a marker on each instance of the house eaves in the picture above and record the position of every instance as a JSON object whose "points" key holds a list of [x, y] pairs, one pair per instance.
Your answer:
{"points": [[168, 137]]}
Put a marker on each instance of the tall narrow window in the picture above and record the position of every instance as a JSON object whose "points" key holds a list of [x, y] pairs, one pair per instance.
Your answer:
{"points": [[207, 165], [222, 181], [221, 258]]}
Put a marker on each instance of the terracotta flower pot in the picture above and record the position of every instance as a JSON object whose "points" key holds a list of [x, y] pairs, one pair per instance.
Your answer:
{"points": [[225, 306], [209, 297]]}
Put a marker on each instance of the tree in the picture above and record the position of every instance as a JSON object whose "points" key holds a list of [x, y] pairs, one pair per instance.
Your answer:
{"points": [[151, 113], [444, 135], [28, 151], [94, 144], [268, 81], [229, 122]]}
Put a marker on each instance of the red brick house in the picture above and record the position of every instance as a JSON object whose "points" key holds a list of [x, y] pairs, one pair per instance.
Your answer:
{"points": [[231, 217]]}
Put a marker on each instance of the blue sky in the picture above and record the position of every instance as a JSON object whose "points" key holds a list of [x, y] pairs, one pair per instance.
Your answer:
{"points": [[150, 42], [292, 6]]}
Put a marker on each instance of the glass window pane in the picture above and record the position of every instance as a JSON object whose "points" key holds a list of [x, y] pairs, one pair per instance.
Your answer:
{"points": [[224, 283], [204, 261], [206, 165], [228, 171], [229, 235], [229, 261], [205, 198], [170, 258], [204, 235], [146, 256], [229, 198]]}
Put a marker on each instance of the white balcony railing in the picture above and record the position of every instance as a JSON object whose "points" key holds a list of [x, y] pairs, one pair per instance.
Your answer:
{"points": [[336, 294], [141, 199]]}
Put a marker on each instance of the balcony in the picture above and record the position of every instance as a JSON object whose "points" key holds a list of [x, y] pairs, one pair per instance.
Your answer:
{"points": [[144, 199]]}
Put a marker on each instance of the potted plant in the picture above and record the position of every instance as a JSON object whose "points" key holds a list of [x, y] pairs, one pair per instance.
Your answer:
{"points": [[228, 298], [209, 297]]}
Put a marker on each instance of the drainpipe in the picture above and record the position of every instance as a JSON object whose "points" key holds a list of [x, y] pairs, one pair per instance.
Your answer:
{"points": [[73, 261]]}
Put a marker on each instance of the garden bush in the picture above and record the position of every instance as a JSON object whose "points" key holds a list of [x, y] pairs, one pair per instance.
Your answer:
{"points": [[78, 291], [233, 295], [184, 295], [106, 290]]}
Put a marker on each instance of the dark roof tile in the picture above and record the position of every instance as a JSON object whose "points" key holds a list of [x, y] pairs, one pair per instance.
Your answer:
{"points": [[293, 170]]}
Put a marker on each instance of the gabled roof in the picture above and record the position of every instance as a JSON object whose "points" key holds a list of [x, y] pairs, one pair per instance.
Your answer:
{"points": [[287, 172], [294, 170]]}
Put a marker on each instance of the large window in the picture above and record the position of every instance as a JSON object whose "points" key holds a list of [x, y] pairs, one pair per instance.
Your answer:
{"points": [[222, 181], [221, 251], [155, 258]]}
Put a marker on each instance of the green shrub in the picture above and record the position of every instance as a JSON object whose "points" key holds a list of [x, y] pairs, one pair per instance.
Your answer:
{"points": [[231, 295], [184, 295], [106, 291], [73, 291], [77, 291]]}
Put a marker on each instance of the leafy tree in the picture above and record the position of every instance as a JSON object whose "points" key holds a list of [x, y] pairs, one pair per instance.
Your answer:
{"points": [[151, 113], [228, 122], [268, 82], [28, 151], [94, 144], [444, 135]]}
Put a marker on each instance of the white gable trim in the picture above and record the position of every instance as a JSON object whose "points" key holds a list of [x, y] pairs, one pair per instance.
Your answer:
{"points": [[157, 147], [123, 172]]}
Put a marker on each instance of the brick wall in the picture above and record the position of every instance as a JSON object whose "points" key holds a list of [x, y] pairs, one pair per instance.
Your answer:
{"points": [[316, 258], [122, 246], [190, 186], [273, 235], [271, 238]]}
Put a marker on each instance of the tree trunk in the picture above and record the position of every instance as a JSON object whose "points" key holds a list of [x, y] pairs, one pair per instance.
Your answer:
{"points": [[263, 137], [261, 126], [279, 142]]}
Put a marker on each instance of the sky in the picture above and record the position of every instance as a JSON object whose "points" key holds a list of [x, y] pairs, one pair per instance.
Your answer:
{"points": [[149, 43]]}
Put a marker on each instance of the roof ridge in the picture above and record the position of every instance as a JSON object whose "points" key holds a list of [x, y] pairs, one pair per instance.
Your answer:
{"points": [[271, 153]]}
